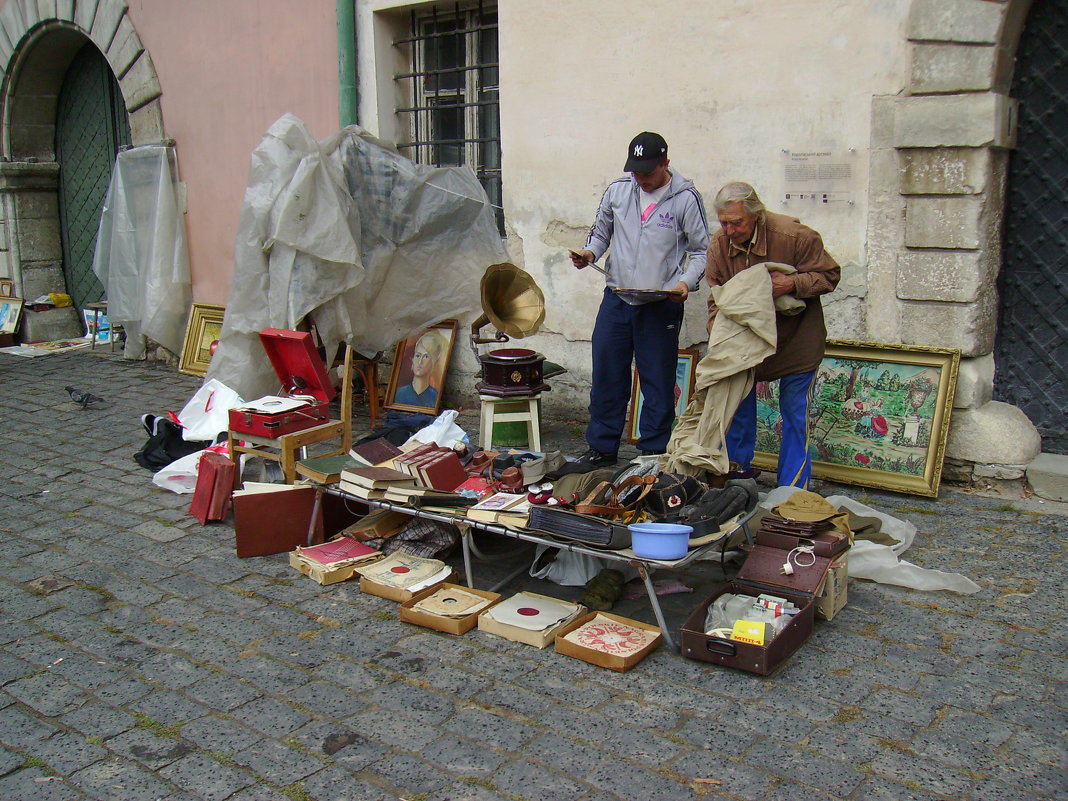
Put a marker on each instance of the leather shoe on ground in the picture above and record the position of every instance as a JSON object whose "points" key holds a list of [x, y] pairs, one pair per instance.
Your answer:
{"points": [[595, 458]]}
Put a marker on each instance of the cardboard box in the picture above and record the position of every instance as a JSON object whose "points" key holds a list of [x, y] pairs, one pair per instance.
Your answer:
{"points": [[620, 664], [449, 625], [392, 593], [539, 639], [321, 573], [835, 593]]}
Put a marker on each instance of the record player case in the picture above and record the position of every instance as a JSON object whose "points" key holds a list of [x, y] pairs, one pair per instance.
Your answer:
{"points": [[301, 372]]}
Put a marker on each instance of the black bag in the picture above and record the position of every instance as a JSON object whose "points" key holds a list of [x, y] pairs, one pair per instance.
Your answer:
{"points": [[165, 444], [670, 493]]}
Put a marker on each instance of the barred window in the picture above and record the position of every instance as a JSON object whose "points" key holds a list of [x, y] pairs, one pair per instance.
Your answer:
{"points": [[453, 87]]}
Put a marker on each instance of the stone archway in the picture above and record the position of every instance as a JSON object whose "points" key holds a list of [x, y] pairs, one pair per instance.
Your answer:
{"points": [[36, 47], [938, 167]]}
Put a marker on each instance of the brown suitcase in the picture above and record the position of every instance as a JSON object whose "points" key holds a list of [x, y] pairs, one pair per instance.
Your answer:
{"points": [[760, 574]]}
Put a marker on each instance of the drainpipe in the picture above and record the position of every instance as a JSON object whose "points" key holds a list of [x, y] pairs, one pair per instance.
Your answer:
{"points": [[348, 93]]}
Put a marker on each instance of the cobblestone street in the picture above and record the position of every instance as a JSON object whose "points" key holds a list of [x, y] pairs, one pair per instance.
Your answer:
{"points": [[141, 659]]}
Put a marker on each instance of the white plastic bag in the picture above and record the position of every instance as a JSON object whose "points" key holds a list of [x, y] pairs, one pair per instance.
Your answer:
{"points": [[442, 432], [181, 475], [569, 569], [206, 414]]}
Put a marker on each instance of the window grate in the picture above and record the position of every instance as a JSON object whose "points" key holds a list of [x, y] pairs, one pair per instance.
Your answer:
{"points": [[452, 114]]}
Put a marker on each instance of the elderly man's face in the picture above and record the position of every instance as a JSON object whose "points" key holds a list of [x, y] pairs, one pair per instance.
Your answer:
{"points": [[737, 223]]}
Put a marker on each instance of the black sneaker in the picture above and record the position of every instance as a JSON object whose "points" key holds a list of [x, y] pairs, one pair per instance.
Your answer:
{"points": [[595, 458], [653, 453]]}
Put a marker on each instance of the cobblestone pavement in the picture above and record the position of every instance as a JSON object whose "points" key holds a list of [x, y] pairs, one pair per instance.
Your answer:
{"points": [[140, 659]]}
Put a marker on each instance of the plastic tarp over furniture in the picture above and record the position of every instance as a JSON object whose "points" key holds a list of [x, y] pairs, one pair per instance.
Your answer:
{"points": [[141, 257], [370, 245]]}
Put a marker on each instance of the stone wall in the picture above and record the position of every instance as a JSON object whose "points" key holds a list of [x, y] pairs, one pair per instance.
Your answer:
{"points": [[941, 151]]}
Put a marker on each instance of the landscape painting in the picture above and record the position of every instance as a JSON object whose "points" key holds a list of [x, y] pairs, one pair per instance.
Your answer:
{"points": [[879, 416]]}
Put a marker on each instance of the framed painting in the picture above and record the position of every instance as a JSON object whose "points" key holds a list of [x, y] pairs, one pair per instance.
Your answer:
{"points": [[96, 325], [10, 312], [201, 338], [879, 416], [685, 377], [420, 364]]}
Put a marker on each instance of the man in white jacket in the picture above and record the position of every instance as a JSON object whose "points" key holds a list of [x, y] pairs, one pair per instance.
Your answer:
{"points": [[655, 224]]}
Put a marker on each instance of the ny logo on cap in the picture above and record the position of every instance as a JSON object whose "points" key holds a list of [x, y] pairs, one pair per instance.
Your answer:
{"points": [[638, 149]]}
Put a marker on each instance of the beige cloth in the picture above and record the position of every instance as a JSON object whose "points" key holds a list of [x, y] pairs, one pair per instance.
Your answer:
{"points": [[743, 335]]}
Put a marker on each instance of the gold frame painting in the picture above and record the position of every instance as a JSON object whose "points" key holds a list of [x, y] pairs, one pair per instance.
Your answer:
{"points": [[403, 394], [879, 416], [201, 337], [685, 378]]}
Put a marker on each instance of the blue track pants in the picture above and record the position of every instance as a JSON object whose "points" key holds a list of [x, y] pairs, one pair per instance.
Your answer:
{"points": [[795, 463], [648, 334]]}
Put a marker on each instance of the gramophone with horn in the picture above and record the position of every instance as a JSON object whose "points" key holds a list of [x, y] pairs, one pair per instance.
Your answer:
{"points": [[514, 303]]}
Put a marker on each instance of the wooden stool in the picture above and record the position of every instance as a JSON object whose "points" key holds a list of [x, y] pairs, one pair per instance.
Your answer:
{"points": [[511, 410]]}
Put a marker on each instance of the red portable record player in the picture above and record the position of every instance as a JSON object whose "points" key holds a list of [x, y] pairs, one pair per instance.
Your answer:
{"points": [[306, 390]]}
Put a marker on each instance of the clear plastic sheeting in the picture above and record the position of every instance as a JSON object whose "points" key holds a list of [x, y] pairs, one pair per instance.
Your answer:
{"points": [[349, 233], [141, 257]]}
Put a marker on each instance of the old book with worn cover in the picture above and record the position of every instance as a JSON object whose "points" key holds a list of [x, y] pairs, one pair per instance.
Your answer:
{"points": [[215, 481], [275, 518], [375, 452], [442, 472], [325, 469]]}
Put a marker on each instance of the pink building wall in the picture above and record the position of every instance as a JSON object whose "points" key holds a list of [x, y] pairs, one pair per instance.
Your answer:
{"points": [[227, 71]]}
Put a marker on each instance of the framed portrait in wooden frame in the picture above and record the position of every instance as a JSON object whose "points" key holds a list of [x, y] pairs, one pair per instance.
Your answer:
{"points": [[685, 377], [420, 364], [201, 338], [879, 416]]}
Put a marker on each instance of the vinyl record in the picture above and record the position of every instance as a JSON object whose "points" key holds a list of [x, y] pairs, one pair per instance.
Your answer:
{"points": [[529, 612]]}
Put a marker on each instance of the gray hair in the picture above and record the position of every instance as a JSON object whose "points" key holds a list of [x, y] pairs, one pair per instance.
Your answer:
{"points": [[739, 192]]}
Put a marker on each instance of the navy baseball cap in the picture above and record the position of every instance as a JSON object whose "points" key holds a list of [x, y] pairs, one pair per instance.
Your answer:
{"points": [[646, 150]]}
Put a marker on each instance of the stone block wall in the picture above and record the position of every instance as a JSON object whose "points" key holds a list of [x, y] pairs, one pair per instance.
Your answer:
{"points": [[939, 166]]}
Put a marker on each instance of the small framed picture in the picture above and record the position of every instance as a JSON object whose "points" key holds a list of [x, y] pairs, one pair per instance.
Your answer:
{"points": [[10, 312], [96, 325], [201, 338], [417, 380], [685, 376], [7, 288]]}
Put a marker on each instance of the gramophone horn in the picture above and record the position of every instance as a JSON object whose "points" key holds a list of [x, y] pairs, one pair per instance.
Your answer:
{"points": [[512, 301]]}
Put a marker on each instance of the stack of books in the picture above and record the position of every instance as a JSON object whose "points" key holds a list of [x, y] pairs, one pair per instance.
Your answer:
{"points": [[433, 467], [501, 507], [371, 483]]}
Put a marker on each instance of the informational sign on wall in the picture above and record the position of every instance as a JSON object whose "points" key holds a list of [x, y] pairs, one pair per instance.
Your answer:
{"points": [[822, 177]]}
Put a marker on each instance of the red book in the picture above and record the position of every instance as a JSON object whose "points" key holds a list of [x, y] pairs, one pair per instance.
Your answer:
{"points": [[215, 480], [339, 550], [477, 484], [443, 472]]}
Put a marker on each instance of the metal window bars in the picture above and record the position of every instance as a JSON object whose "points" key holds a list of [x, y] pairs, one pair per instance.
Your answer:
{"points": [[452, 113]]}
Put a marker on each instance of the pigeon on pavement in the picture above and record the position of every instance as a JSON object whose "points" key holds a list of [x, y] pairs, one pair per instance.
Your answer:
{"points": [[83, 399]]}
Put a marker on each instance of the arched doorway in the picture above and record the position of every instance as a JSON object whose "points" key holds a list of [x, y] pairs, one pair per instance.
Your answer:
{"points": [[91, 126], [1031, 351]]}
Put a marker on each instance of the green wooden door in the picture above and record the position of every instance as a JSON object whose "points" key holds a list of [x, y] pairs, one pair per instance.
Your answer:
{"points": [[91, 126]]}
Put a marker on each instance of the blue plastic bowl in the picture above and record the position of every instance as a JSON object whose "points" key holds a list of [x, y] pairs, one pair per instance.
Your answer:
{"points": [[660, 540]]}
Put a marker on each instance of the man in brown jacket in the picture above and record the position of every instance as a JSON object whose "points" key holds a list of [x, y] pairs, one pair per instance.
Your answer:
{"points": [[750, 235]]}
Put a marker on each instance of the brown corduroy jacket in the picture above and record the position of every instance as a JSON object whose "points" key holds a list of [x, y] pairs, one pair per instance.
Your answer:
{"points": [[780, 238]]}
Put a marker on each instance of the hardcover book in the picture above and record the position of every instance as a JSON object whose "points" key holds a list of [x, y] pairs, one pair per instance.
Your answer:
{"points": [[375, 452]]}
